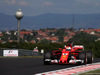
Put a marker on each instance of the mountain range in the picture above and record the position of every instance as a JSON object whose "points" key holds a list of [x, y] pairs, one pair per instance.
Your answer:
{"points": [[50, 20]]}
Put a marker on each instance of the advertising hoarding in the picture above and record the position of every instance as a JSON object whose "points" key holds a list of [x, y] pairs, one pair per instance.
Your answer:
{"points": [[10, 52]]}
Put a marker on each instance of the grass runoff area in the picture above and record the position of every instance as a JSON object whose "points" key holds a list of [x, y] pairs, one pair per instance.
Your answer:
{"points": [[94, 72]]}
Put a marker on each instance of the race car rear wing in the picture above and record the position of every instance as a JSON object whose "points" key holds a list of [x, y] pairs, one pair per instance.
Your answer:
{"points": [[78, 47]]}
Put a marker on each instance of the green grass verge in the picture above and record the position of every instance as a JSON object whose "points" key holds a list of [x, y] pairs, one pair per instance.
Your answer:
{"points": [[94, 72]]}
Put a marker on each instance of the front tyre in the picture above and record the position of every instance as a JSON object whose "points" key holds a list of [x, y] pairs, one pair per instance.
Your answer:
{"points": [[47, 58]]}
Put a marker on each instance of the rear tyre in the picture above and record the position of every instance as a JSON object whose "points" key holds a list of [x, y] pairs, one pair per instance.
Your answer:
{"points": [[47, 58], [89, 57], [82, 56]]}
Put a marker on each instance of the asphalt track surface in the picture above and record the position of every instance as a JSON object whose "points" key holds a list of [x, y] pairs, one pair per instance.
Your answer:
{"points": [[28, 66]]}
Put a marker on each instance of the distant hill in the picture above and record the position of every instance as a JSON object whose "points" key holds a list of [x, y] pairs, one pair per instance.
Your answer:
{"points": [[9, 22]]}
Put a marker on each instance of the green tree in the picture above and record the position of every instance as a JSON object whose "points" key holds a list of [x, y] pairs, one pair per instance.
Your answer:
{"points": [[45, 41]]}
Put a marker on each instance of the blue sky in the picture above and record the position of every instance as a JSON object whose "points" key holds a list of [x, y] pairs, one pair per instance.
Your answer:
{"points": [[38, 7]]}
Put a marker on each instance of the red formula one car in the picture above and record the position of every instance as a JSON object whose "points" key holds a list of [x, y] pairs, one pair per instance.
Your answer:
{"points": [[69, 55]]}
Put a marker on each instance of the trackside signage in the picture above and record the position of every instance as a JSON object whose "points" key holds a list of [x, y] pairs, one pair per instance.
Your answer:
{"points": [[10, 52]]}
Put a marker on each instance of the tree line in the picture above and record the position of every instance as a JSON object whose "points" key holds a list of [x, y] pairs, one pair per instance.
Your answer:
{"points": [[88, 41]]}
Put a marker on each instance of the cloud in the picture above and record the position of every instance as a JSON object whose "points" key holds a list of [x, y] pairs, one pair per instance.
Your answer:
{"points": [[14, 2], [7, 2], [23, 3], [10, 2], [90, 3], [47, 4], [97, 4]]}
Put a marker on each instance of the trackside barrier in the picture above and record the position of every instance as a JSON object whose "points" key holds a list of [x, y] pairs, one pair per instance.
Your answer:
{"points": [[21, 52], [73, 70]]}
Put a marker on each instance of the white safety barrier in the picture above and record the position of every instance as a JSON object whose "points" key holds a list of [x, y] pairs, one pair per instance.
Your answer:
{"points": [[10, 53]]}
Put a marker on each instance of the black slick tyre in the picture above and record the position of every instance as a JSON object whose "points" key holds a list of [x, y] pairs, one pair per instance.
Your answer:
{"points": [[47, 58], [89, 57], [83, 56]]}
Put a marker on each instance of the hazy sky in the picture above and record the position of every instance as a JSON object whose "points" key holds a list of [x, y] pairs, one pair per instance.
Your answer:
{"points": [[38, 7]]}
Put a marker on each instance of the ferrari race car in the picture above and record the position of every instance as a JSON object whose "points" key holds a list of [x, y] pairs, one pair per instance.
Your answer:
{"points": [[69, 55]]}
